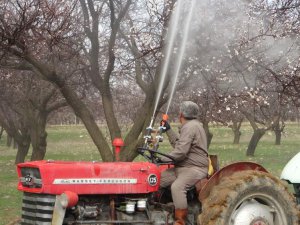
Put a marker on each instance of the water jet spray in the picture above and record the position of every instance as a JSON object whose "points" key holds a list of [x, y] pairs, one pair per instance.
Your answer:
{"points": [[171, 34], [178, 63]]}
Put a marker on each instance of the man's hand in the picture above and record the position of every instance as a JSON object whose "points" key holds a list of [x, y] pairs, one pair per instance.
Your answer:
{"points": [[165, 125]]}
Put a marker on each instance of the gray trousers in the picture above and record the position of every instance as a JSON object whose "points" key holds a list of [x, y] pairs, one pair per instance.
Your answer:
{"points": [[181, 179]]}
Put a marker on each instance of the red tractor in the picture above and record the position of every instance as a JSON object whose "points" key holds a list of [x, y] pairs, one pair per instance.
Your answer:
{"points": [[57, 192]]}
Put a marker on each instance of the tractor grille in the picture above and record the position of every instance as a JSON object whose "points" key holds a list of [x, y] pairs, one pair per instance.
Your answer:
{"points": [[37, 209]]}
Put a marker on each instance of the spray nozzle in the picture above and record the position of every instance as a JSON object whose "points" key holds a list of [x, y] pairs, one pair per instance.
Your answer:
{"points": [[147, 136], [165, 117], [159, 138]]}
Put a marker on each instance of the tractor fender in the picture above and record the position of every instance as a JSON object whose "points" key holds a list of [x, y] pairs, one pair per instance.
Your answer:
{"points": [[227, 171]]}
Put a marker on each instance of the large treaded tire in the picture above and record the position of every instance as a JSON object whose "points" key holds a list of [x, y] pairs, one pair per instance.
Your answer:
{"points": [[226, 198]]}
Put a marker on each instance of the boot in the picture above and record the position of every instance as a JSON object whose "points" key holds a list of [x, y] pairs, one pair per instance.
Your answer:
{"points": [[180, 216]]}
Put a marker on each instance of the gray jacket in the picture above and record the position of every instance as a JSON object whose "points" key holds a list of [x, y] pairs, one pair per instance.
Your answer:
{"points": [[190, 147]]}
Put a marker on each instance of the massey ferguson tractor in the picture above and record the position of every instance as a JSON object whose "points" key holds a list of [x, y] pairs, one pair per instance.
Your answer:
{"points": [[243, 193]]}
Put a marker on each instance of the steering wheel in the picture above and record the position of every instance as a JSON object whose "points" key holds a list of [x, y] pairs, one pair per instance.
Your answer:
{"points": [[152, 156]]}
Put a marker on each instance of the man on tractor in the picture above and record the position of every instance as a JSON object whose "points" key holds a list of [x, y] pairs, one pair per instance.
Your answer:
{"points": [[190, 156]]}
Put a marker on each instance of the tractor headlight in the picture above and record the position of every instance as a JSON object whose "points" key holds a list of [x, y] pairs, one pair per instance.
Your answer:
{"points": [[130, 207], [141, 204], [31, 177]]}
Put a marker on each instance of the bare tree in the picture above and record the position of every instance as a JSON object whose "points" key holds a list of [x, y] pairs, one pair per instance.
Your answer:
{"points": [[25, 105], [31, 21], [15, 129]]}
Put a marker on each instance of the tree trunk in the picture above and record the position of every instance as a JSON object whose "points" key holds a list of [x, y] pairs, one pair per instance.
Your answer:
{"points": [[277, 137], [111, 120], [132, 140], [23, 148], [209, 135], [209, 138], [15, 144], [8, 140], [257, 135], [278, 129], [1, 132], [236, 126], [86, 117], [38, 136], [237, 136]]}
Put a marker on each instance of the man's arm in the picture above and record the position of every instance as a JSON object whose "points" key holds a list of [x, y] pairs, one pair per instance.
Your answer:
{"points": [[173, 137], [182, 146]]}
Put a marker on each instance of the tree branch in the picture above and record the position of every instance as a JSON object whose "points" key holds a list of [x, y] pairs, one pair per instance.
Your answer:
{"points": [[56, 106]]}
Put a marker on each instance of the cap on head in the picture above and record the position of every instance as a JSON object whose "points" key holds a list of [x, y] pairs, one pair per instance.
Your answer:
{"points": [[189, 109]]}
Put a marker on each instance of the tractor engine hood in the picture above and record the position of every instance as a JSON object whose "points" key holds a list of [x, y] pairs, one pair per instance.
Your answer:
{"points": [[55, 177]]}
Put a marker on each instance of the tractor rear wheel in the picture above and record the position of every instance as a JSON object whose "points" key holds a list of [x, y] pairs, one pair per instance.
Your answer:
{"points": [[249, 198]]}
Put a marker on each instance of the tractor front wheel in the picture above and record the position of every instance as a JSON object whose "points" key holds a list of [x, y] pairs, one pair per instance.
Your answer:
{"points": [[249, 198]]}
